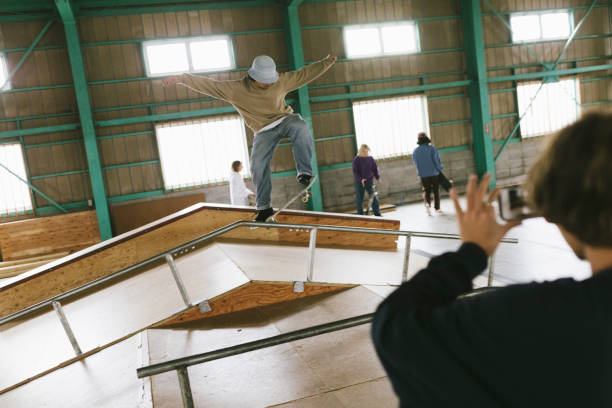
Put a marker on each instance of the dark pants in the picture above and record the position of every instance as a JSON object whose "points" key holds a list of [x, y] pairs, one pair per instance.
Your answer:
{"points": [[431, 184], [360, 190]]}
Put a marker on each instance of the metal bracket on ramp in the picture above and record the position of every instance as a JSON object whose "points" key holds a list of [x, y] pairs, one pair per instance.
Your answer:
{"points": [[298, 287], [204, 307]]}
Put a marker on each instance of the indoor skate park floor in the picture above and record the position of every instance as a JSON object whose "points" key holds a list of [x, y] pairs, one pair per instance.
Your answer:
{"points": [[339, 369]]}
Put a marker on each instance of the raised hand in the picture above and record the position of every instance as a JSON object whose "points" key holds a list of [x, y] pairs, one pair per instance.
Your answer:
{"points": [[478, 223]]}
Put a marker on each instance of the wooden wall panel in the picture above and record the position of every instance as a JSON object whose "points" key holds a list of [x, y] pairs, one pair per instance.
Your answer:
{"points": [[28, 238]]}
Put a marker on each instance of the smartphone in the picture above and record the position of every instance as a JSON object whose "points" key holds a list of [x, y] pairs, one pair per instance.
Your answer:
{"points": [[513, 204]]}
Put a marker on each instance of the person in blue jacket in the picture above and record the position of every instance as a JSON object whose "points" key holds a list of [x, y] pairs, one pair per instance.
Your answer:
{"points": [[365, 171], [428, 164]]}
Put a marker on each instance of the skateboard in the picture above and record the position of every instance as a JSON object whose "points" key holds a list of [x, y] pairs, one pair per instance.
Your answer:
{"points": [[304, 194], [371, 200]]}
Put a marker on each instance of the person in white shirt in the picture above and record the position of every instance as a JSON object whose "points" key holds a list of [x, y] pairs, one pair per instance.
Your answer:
{"points": [[239, 193]]}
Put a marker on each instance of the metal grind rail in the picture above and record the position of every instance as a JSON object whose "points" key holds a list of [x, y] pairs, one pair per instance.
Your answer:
{"points": [[181, 364], [168, 256]]}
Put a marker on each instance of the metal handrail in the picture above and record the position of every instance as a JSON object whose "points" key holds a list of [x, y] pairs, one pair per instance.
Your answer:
{"points": [[220, 231], [185, 362], [181, 364]]}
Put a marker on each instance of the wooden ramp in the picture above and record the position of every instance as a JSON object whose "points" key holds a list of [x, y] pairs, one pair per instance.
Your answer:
{"points": [[142, 243], [229, 276]]}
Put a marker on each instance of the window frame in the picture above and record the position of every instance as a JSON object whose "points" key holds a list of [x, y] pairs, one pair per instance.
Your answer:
{"points": [[7, 213], [577, 103], [379, 26], [424, 112], [186, 41], [4, 69], [540, 13], [225, 180]]}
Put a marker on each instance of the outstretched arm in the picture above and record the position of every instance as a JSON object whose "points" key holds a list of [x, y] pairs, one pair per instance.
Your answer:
{"points": [[204, 85], [294, 79]]}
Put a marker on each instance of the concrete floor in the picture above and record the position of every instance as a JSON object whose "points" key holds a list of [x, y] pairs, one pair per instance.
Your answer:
{"points": [[334, 370]]}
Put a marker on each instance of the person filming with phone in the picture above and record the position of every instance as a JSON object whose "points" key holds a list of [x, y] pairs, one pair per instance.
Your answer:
{"points": [[543, 344]]}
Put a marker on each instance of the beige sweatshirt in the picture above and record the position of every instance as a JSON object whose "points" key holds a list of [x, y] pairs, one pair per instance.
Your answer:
{"points": [[258, 107]]}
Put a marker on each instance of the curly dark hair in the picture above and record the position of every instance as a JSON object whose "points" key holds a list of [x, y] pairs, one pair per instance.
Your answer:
{"points": [[571, 182], [423, 139]]}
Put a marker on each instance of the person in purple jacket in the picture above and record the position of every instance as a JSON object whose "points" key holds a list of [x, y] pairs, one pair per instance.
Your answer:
{"points": [[365, 171]]}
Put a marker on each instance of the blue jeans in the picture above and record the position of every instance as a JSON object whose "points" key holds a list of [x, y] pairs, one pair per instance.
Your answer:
{"points": [[293, 128], [360, 190]]}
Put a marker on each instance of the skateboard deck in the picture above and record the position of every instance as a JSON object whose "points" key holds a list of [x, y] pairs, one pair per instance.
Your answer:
{"points": [[304, 194], [371, 201]]}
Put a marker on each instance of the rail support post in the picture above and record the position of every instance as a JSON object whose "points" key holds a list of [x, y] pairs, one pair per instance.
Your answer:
{"points": [[178, 280], [183, 377], [311, 252], [406, 258], [62, 318]]}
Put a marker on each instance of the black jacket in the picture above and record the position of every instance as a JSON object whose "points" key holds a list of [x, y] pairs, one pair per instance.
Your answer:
{"points": [[533, 345]]}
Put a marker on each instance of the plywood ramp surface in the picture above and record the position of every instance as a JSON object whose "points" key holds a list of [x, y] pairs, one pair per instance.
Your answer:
{"points": [[30, 347], [169, 232], [251, 295], [47, 235]]}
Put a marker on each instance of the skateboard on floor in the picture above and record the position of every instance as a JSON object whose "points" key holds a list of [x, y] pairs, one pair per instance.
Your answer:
{"points": [[304, 194], [371, 200]]}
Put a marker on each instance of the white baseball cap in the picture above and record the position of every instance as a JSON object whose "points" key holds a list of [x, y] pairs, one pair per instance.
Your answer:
{"points": [[263, 70]]}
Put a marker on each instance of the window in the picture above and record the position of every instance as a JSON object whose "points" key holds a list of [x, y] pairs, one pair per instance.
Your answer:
{"points": [[554, 107], [201, 54], [4, 83], [390, 126], [15, 197], [541, 26], [381, 39], [200, 152]]}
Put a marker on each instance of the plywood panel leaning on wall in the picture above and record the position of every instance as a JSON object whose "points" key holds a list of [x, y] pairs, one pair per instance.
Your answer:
{"points": [[42, 236]]}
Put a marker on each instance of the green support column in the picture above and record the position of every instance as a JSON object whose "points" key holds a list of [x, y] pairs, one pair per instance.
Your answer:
{"points": [[478, 90], [296, 61], [89, 136]]}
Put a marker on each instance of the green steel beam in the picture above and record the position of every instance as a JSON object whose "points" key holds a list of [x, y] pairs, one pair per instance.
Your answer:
{"points": [[34, 188], [573, 34], [63, 173], [296, 61], [135, 196], [443, 97], [538, 10], [567, 61], [578, 37], [89, 135], [478, 90], [544, 74], [19, 6], [173, 8], [120, 166], [386, 92], [59, 142], [449, 122], [51, 209], [385, 80], [38, 131], [27, 53], [15, 18], [166, 116]]}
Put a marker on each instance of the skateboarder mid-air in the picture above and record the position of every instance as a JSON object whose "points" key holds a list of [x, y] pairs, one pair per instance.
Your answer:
{"points": [[259, 97]]}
